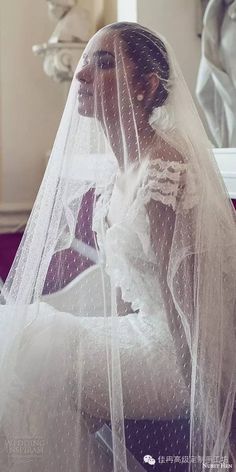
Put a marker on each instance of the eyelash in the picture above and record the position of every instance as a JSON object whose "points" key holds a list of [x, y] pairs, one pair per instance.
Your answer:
{"points": [[107, 64], [104, 63]]}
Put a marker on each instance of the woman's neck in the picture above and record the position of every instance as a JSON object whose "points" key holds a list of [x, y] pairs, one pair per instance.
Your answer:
{"points": [[130, 147]]}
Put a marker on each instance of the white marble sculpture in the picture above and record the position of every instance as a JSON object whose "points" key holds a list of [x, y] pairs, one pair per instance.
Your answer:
{"points": [[75, 23], [58, 8], [200, 11], [216, 83], [74, 28]]}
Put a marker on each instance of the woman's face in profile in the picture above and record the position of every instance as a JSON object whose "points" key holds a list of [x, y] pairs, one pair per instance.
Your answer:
{"points": [[106, 85]]}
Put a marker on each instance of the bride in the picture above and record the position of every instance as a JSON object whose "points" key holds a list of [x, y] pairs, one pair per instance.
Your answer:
{"points": [[139, 321]]}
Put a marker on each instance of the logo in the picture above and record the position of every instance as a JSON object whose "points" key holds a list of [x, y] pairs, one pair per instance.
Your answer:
{"points": [[24, 448], [149, 459]]}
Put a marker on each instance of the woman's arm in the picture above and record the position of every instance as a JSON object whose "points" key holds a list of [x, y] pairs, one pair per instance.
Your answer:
{"points": [[162, 224]]}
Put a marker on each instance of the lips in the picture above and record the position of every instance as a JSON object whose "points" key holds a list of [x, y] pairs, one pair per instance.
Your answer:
{"points": [[84, 92]]}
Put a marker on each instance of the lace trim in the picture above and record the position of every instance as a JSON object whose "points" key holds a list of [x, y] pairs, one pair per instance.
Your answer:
{"points": [[164, 181]]}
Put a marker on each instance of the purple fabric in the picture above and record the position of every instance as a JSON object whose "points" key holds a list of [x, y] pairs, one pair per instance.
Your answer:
{"points": [[156, 438], [9, 243]]}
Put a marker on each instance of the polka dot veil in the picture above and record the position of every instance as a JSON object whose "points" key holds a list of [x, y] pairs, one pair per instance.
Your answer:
{"points": [[118, 315]]}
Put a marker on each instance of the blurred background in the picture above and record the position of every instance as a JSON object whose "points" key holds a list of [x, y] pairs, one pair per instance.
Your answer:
{"points": [[40, 45]]}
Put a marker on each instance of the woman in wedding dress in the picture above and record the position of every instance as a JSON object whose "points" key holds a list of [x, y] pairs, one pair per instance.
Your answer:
{"points": [[163, 235]]}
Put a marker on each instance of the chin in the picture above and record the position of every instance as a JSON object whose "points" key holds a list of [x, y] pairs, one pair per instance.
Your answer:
{"points": [[85, 112], [85, 108]]}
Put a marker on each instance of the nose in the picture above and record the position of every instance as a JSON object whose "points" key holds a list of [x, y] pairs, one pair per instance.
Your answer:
{"points": [[84, 75]]}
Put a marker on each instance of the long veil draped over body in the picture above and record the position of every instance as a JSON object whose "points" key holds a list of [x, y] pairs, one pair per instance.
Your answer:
{"points": [[121, 302]]}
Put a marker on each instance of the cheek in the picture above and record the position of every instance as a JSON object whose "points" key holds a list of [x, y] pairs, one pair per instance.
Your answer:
{"points": [[108, 87], [86, 107], [107, 94]]}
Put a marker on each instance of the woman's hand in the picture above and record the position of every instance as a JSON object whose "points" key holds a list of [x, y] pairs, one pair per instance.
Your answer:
{"points": [[123, 308]]}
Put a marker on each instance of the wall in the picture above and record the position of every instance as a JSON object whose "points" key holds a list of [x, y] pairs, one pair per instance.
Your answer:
{"points": [[110, 11], [31, 104], [176, 20], [127, 10]]}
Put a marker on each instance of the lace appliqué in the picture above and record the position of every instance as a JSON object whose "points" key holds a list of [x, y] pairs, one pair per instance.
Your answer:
{"points": [[170, 182]]}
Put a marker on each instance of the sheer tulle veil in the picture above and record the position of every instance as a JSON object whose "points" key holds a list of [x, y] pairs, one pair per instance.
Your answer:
{"points": [[133, 105]]}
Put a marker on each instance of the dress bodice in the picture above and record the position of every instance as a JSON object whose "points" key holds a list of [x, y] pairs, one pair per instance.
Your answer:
{"points": [[125, 245]]}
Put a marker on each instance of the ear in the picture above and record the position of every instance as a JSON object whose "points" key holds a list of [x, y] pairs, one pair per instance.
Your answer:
{"points": [[147, 88], [152, 84]]}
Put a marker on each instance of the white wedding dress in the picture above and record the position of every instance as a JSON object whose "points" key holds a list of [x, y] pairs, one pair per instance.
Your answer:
{"points": [[151, 379]]}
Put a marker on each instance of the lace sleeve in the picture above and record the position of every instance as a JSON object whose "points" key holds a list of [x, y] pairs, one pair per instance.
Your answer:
{"points": [[171, 183]]}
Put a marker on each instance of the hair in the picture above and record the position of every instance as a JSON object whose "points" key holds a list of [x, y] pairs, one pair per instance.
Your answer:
{"points": [[149, 54]]}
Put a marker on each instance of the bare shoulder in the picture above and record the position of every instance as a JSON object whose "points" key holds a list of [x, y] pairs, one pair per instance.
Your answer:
{"points": [[165, 151]]}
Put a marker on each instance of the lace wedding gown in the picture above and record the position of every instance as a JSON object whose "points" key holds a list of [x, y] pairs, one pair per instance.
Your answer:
{"points": [[151, 379]]}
